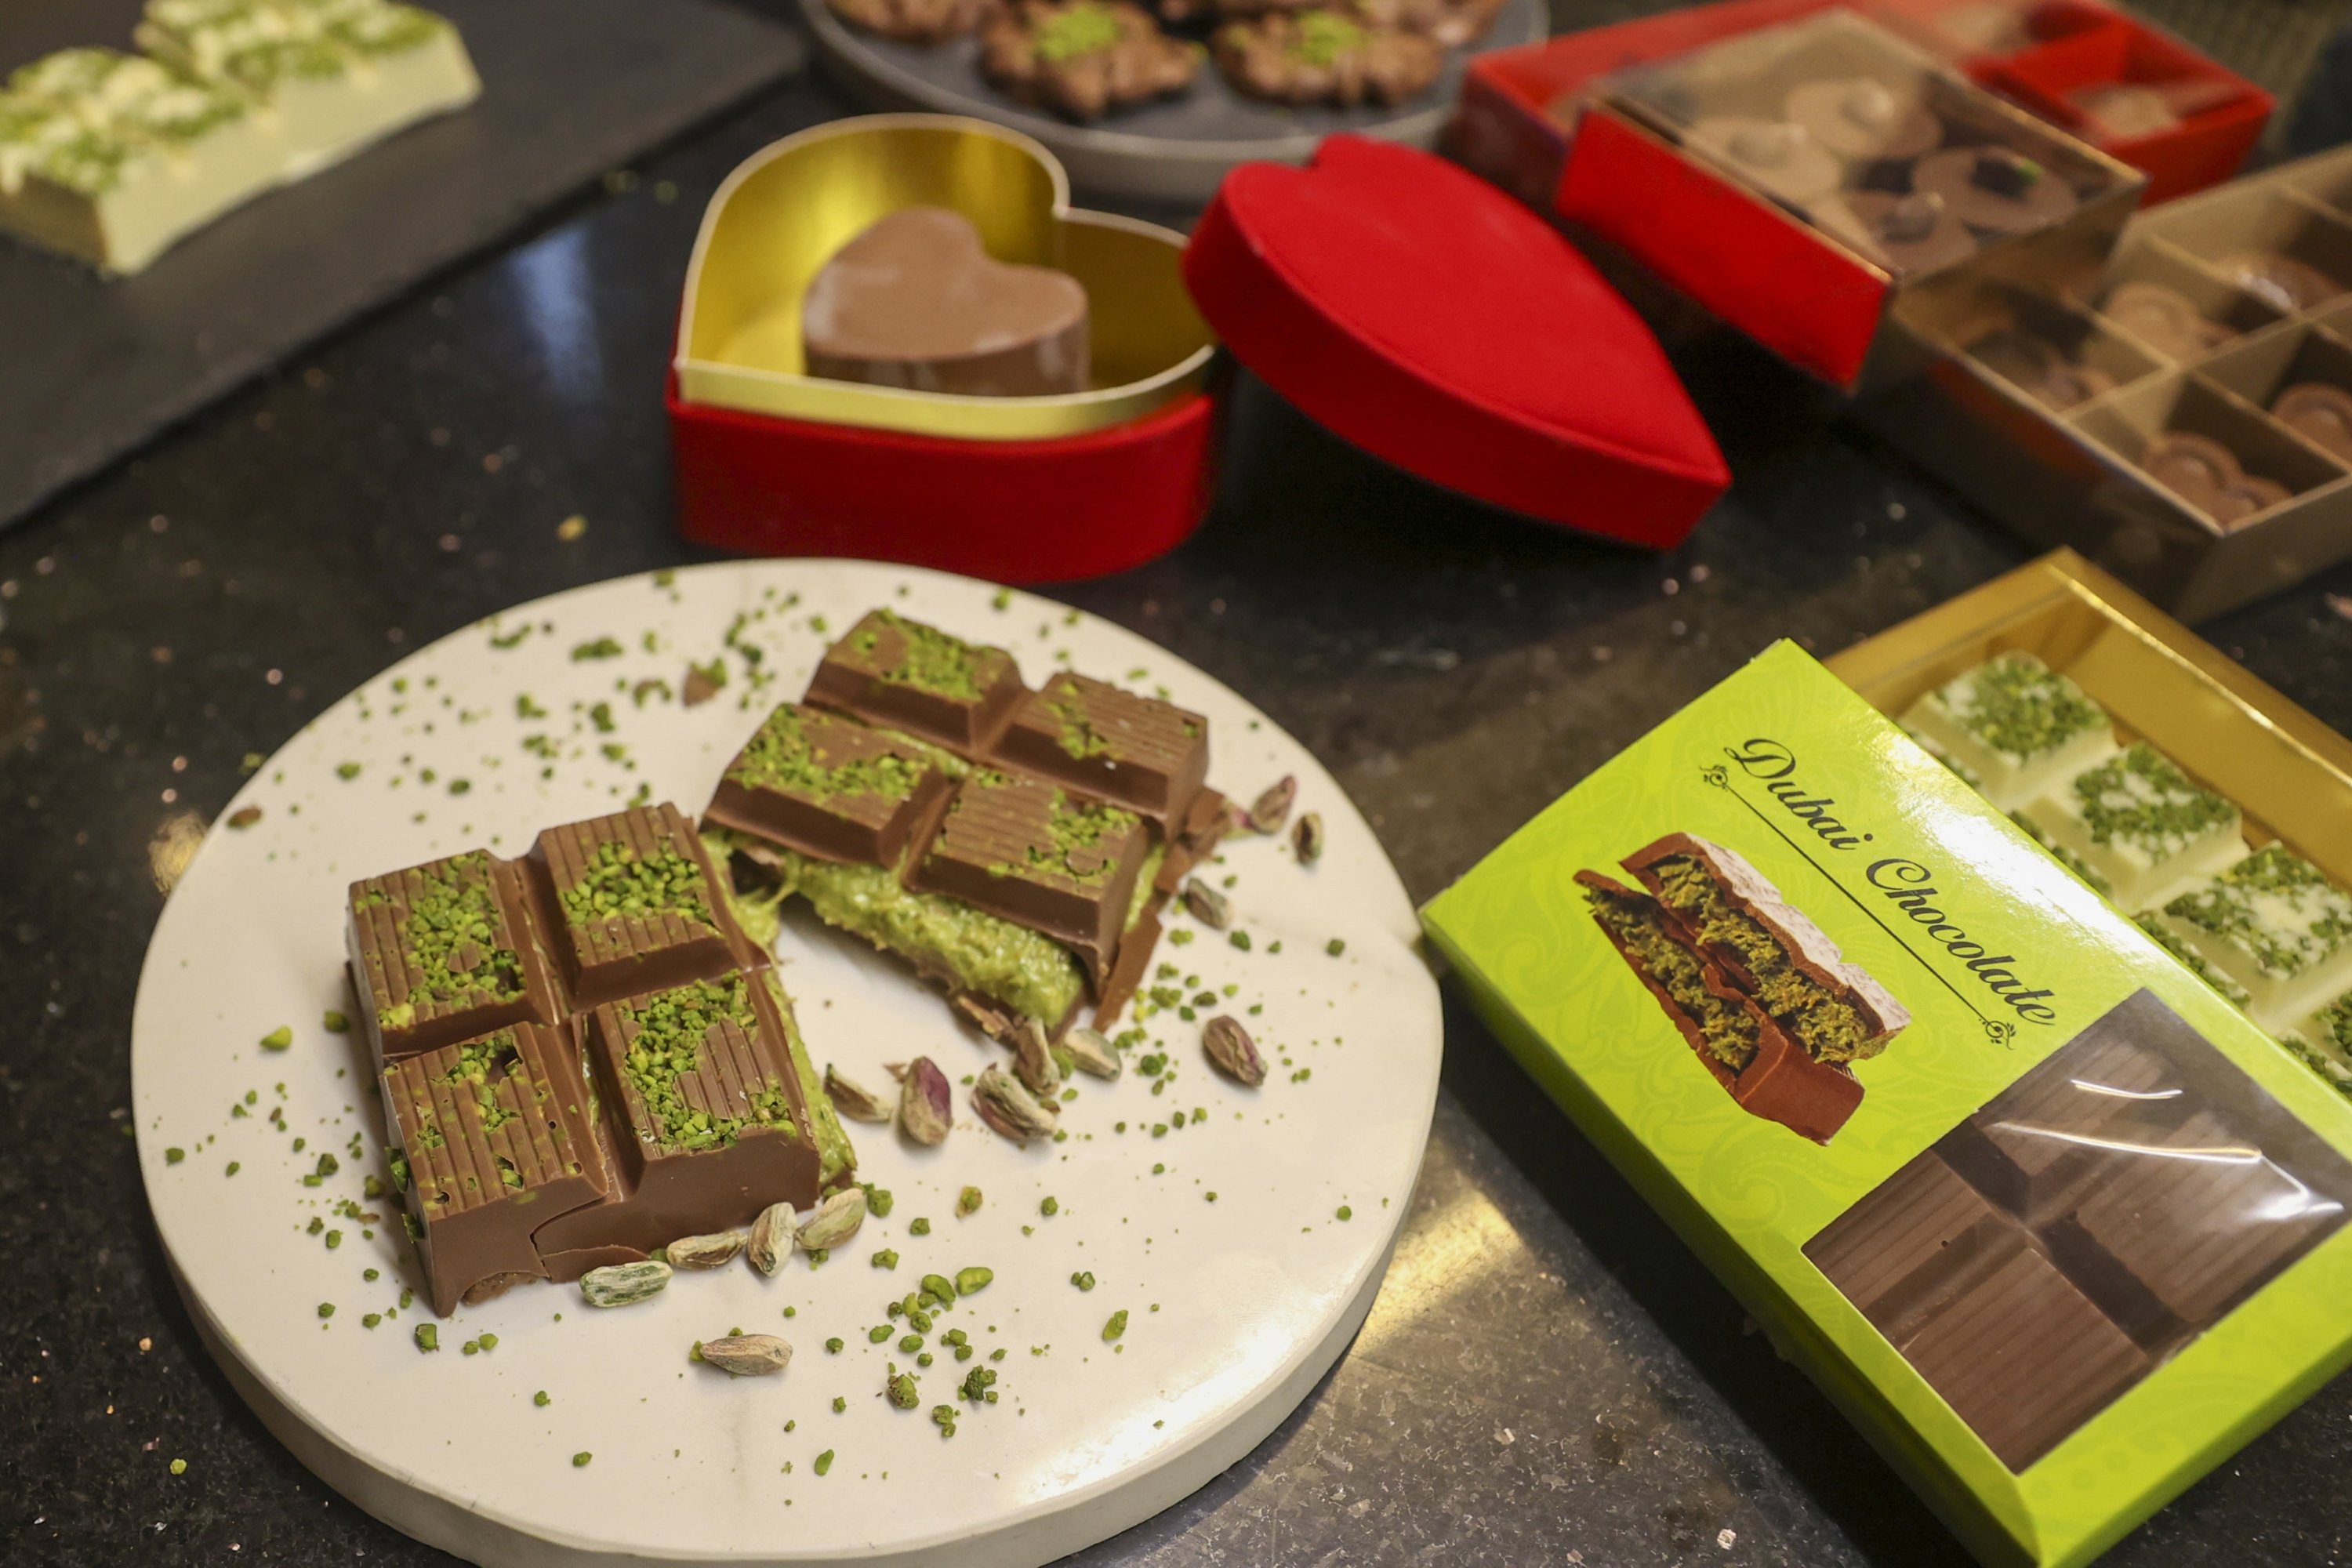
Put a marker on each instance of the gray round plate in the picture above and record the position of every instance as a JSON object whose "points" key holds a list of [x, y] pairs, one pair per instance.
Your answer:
{"points": [[1175, 150]]}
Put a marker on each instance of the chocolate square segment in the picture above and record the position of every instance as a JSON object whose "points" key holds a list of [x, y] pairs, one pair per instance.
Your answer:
{"points": [[631, 906], [709, 1120], [496, 1137], [829, 787], [444, 951], [1039, 856], [1136, 752], [904, 675]]}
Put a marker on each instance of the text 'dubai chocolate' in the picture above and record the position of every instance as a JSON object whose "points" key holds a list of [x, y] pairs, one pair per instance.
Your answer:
{"points": [[496, 1136], [828, 788], [443, 951], [2102, 1211], [709, 1122], [915, 302], [1136, 752], [1033, 854], [903, 675], [630, 906]]}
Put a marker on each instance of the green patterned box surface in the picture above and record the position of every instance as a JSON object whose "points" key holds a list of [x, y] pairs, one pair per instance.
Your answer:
{"points": [[2000, 959]]}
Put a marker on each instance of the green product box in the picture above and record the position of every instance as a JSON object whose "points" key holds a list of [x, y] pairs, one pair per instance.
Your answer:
{"points": [[2048, 1219]]}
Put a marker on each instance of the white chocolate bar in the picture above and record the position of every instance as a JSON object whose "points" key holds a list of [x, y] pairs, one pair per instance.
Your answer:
{"points": [[2275, 925], [2012, 725], [2141, 824]]}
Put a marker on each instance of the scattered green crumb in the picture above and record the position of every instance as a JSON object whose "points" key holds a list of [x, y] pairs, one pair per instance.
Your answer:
{"points": [[326, 1309], [1180, 937], [179, 1467], [833, 1346], [1240, 939], [278, 1038], [347, 770], [971, 1280], [839, 1405], [1336, 946], [885, 1258], [918, 1227], [1084, 1279], [235, 1166], [1346, 1213], [175, 1155], [335, 1023], [428, 1338], [1116, 1326], [1050, 1207], [968, 1202], [580, 1460], [824, 1461], [371, 1320]]}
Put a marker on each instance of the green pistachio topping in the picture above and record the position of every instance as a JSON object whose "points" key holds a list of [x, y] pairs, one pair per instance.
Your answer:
{"points": [[2273, 905], [1324, 37], [2138, 798], [618, 882], [934, 661], [1079, 29], [782, 757], [2020, 707], [666, 1048]]}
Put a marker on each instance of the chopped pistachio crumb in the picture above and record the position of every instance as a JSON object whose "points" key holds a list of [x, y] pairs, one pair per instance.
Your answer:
{"points": [[825, 1460], [580, 1460], [833, 1346], [1083, 1280], [1346, 1213], [371, 1320], [975, 1279], [277, 1040], [1336, 946], [175, 1155], [839, 1405], [1116, 1326], [540, 1399], [918, 1227], [235, 1166], [968, 1202], [179, 1467], [335, 1023], [428, 1338], [885, 1258], [326, 1309], [347, 770], [1050, 1207]]}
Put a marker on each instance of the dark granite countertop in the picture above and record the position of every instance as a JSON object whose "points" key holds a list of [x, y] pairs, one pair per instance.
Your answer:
{"points": [[1549, 1377]]}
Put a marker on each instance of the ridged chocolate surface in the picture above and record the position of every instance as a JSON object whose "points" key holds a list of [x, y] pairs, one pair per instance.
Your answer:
{"points": [[865, 825], [995, 849], [864, 674], [389, 976], [608, 957], [1138, 751]]}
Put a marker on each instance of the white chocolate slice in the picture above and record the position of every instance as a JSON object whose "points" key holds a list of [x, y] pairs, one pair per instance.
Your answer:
{"points": [[2143, 826], [2014, 725], [2273, 924]]}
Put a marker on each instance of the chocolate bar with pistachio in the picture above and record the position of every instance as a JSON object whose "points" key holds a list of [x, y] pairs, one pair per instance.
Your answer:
{"points": [[630, 905], [829, 787], [1837, 1011], [493, 1137], [713, 1113], [444, 951], [1149, 756], [898, 673]]}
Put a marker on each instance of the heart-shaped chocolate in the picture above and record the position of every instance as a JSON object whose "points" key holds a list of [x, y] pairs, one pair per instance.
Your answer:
{"points": [[914, 300]]}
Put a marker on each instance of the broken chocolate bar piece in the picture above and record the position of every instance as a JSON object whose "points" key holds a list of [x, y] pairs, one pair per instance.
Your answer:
{"points": [[829, 787], [898, 673], [709, 1109], [631, 906], [495, 1136], [1837, 1011], [443, 951], [1766, 1073], [1136, 751], [1028, 852]]}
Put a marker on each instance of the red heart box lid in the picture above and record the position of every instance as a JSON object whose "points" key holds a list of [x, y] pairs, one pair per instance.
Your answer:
{"points": [[1419, 312]]}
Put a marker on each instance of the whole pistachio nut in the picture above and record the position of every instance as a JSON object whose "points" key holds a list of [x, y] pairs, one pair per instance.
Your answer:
{"points": [[1232, 1051], [999, 1024], [620, 1284], [1272, 809], [713, 1251], [1207, 905], [1307, 838], [852, 1099], [1033, 1060], [832, 1222], [772, 1238], [925, 1105], [900, 1387], [1091, 1052], [1008, 1108], [747, 1356]]}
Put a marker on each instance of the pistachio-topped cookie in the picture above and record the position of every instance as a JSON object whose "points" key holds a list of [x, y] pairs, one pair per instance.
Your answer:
{"points": [[2013, 726], [2273, 924], [2143, 826], [1326, 57], [1083, 58]]}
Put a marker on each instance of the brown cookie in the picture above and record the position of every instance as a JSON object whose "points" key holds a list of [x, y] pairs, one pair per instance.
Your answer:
{"points": [[1996, 189], [912, 21], [914, 301], [2319, 413], [1859, 118], [1323, 57], [2164, 318], [2279, 281], [1082, 58]]}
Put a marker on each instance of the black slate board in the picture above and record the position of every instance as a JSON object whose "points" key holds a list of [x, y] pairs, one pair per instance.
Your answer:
{"points": [[91, 368]]}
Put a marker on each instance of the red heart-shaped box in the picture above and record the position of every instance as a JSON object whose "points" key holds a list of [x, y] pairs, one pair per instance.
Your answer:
{"points": [[1417, 312]]}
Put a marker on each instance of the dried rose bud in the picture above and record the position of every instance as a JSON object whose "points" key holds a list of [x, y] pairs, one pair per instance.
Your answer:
{"points": [[1007, 1107], [832, 1222], [1232, 1051], [925, 1105], [1307, 838], [1207, 905], [1091, 1052], [1272, 809], [1033, 1061], [853, 1100]]}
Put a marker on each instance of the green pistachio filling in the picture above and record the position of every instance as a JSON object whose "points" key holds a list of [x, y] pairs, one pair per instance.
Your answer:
{"points": [[1830, 1027], [666, 1048], [619, 883], [2231, 992], [933, 661], [2020, 707], [835, 1156], [1080, 29], [2274, 906], [2138, 798], [1730, 1031], [1324, 37], [450, 940], [782, 757]]}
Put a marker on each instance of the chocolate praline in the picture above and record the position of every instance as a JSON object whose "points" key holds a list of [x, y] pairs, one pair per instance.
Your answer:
{"points": [[1857, 117], [2164, 318], [2038, 368], [1778, 158], [1996, 189], [1915, 233], [2280, 282], [2319, 413]]}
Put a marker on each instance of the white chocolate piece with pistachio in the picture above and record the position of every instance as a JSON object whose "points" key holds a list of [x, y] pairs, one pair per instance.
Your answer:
{"points": [[2141, 824], [2275, 926], [2015, 726]]}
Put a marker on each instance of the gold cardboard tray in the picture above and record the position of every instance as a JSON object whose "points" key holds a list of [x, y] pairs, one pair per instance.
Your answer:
{"points": [[2290, 774], [784, 213], [2070, 477]]}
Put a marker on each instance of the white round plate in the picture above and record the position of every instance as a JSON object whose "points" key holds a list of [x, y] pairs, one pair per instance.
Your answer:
{"points": [[1235, 1306]]}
